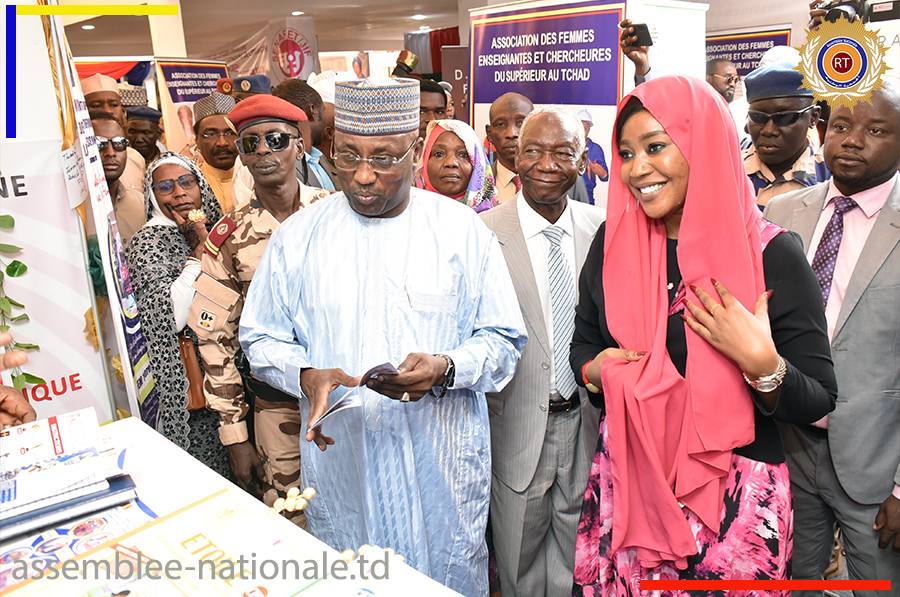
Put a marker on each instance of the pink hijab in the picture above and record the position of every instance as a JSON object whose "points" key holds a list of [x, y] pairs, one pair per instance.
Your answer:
{"points": [[671, 438]]}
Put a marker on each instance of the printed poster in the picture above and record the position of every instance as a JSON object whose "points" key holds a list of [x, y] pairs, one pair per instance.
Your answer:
{"points": [[128, 364], [216, 546], [746, 47], [55, 288], [181, 83], [556, 53]]}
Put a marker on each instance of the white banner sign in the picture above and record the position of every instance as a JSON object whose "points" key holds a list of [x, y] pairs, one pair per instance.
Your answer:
{"points": [[889, 36], [54, 290], [283, 49]]}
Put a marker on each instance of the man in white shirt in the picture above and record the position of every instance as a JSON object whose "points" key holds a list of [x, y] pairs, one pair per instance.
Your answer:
{"points": [[543, 430]]}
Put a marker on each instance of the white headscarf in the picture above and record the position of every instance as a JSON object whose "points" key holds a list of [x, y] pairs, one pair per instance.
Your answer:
{"points": [[155, 215]]}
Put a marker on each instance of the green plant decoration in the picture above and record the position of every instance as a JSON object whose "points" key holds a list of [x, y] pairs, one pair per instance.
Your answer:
{"points": [[14, 269]]}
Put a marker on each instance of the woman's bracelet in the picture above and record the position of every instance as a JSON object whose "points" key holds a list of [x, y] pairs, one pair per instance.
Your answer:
{"points": [[771, 382], [587, 384]]}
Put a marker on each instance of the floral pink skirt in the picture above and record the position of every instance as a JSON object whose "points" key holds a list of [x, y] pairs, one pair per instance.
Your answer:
{"points": [[755, 538]]}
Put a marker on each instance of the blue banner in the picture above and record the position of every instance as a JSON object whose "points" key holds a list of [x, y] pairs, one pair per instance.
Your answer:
{"points": [[745, 49], [553, 54], [191, 81], [138, 354]]}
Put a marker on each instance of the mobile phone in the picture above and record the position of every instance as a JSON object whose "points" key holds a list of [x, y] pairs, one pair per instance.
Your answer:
{"points": [[643, 35]]}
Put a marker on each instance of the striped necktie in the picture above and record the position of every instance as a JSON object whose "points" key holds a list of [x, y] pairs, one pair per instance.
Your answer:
{"points": [[562, 306]]}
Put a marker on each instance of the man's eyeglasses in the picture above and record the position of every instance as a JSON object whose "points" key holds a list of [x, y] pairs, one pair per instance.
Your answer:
{"points": [[347, 160], [167, 186], [229, 134], [274, 141], [779, 118], [729, 78], [119, 144]]}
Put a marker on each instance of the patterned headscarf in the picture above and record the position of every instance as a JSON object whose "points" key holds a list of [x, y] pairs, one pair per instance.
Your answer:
{"points": [[156, 255], [208, 202], [481, 193]]}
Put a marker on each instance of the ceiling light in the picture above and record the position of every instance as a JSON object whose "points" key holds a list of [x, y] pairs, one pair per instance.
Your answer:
{"points": [[297, 13], [424, 28], [88, 27], [418, 17]]}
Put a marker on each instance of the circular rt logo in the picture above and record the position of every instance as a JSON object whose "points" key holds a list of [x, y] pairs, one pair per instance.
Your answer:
{"points": [[842, 62]]}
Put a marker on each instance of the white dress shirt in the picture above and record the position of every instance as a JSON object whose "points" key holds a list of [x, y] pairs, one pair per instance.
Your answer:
{"points": [[533, 224], [506, 188]]}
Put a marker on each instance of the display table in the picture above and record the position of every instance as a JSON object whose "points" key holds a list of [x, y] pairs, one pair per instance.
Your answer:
{"points": [[194, 533]]}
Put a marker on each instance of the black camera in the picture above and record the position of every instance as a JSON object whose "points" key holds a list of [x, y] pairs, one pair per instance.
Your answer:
{"points": [[849, 9]]}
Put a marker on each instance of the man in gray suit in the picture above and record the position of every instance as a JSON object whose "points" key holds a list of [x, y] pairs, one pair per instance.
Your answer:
{"points": [[845, 469], [543, 432]]}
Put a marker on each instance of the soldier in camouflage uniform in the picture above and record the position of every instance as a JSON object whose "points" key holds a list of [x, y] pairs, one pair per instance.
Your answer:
{"points": [[234, 247]]}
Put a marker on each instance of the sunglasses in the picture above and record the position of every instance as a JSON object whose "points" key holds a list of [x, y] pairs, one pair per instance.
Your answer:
{"points": [[274, 141], [729, 78], [779, 118], [119, 144], [167, 186]]}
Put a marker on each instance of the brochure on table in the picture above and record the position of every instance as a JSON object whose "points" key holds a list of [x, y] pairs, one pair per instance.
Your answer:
{"points": [[186, 514]]}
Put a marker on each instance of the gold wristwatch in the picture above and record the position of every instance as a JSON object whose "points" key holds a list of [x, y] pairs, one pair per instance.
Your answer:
{"points": [[769, 383]]}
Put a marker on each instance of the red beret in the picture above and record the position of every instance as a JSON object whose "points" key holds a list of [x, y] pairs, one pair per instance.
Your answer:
{"points": [[265, 108]]}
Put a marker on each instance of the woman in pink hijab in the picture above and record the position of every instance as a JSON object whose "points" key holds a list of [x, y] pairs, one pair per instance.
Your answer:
{"points": [[454, 164], [698, 325]]}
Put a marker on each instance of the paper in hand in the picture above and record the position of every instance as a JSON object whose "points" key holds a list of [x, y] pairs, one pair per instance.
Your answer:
{"points": [[349, 398], [382, 369]]}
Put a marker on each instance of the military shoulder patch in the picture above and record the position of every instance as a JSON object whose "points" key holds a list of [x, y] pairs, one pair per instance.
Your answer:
{"points": [[320, 195], [219, 233]]}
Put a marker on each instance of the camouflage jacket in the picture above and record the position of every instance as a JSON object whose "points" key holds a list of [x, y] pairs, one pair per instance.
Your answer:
{"points": [[233, 249]]}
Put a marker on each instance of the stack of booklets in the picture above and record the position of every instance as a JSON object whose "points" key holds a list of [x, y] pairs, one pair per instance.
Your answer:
{"points": [[56, 469]]}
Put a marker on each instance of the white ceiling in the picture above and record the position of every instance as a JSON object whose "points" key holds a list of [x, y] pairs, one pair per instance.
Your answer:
{"points": [[340, 25]]}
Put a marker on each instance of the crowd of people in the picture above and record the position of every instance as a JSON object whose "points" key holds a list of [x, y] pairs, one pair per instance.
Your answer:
{"points": [[699, 381]]}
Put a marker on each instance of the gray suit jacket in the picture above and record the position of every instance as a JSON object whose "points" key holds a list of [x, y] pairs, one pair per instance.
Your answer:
{"points": [[864, 429], [519, 413]]}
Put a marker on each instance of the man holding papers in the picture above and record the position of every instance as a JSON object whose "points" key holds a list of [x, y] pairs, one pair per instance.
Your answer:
{"points": [[384, 273]]}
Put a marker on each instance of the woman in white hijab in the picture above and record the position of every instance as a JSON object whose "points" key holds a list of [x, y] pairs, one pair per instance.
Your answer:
{"points": [[163, 261]]}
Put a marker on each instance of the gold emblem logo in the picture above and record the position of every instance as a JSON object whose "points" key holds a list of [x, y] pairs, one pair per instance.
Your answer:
{"points": [[842, 63], [245, 85]]}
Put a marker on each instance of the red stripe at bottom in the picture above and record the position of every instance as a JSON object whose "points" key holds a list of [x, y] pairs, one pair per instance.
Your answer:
{"points": [[765, 585]]}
